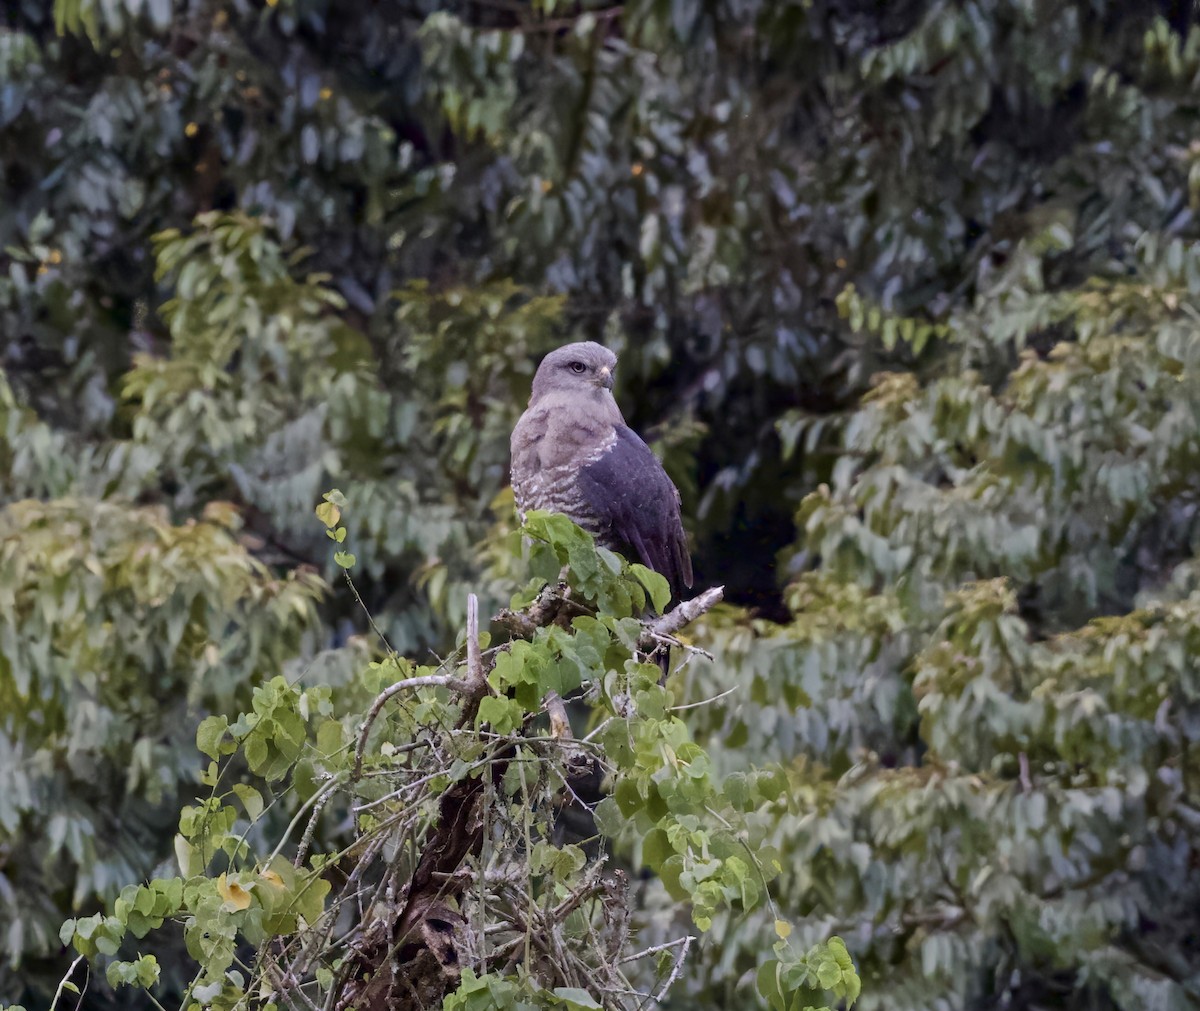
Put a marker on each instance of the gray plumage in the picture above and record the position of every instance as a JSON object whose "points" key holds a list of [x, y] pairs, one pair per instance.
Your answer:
{"points": [[572, 453]]}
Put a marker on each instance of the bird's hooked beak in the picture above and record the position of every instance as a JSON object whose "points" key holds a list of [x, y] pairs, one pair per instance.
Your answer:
{"points": [[606, 378]]}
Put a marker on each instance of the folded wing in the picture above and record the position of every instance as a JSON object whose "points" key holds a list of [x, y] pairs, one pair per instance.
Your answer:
{"points": [[628, 491]]}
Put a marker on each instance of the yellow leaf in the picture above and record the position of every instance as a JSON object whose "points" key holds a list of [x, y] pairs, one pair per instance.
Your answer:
{"points": [[224, 514], [329, 514], [783, 929], [271, 878], [233, 893]]}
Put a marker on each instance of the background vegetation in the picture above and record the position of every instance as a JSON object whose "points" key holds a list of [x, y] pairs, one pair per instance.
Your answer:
{"points": [[906, 295]]}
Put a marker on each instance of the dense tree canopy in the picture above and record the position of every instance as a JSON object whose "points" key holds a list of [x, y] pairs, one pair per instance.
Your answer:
{"points": [[905, 295]]}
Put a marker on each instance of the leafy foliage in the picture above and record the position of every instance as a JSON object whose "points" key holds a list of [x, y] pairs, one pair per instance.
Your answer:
{"points": [[116, 626], [1005, 584], [406, 779]]}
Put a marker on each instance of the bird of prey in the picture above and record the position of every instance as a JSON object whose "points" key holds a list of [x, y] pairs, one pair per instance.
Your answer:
{"points": [[572, 453]]}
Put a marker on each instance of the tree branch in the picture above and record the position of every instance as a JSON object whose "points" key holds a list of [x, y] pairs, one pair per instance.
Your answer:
{"points": [[425, 680], [543, 611], [437, 880], [682, 614]]}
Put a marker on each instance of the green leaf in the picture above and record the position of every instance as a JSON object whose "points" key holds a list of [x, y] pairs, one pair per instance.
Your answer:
{"points": [[656, 585], [608, 817], [628, 797], [330, 737], [574, 998], [656, 848], [503, 715], [310, 900], [829, 974], [767, 981], [147, 971], [251, 799], [257, 753], [210, 735]]}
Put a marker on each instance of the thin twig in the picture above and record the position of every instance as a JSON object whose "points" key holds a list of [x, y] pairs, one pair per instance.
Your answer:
{"points": [[475, 685], [329, 786], [588, 887], [655, 949], [687, 943], [370, 617], [629, 992], [590, 808], [601, 726], [283, 986], [687, 647], [705, 702], [63, 982], [310, 829]]}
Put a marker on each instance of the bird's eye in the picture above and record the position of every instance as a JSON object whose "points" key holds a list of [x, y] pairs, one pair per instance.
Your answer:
{"points": [[578, 368]]}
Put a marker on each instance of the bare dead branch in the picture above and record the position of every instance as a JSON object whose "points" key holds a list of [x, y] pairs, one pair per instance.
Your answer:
{"points": [[682, 614], [687, 943], [306, 839], [476, 678], [655, 949]]}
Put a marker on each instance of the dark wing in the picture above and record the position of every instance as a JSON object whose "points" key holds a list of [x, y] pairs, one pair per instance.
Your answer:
{"points": [[630, 493]]}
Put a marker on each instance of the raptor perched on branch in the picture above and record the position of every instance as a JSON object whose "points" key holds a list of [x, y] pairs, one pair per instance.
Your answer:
{"points": [[572, 453]]}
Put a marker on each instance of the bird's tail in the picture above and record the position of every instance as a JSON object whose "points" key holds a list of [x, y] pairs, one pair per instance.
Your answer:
{"points": [[663, 656]]}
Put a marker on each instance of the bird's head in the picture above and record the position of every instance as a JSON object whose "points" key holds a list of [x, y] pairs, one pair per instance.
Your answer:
{"points": [[575, 368]]}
